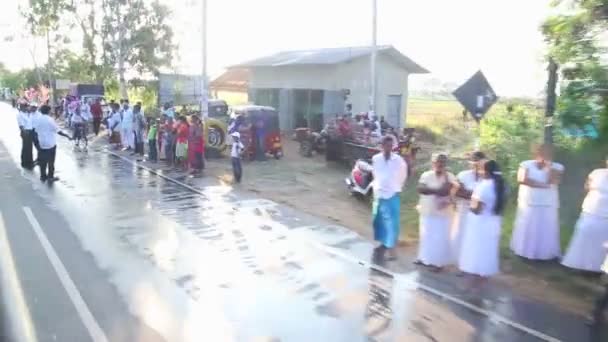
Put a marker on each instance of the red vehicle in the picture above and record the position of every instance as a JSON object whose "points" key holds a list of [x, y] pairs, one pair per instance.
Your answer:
{"points": [[259, 129]]}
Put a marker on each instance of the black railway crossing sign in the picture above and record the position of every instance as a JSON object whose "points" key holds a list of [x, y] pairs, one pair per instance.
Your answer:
{"points": [[476, 95]]}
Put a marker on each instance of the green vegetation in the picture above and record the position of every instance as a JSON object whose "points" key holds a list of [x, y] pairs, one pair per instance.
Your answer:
{"points": [[576, 40], [115, 35]]}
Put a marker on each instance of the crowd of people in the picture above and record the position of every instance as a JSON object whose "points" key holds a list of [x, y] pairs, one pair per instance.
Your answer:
{"points": [[38, 130], [174, 138], [178, 141], [461, 215]]}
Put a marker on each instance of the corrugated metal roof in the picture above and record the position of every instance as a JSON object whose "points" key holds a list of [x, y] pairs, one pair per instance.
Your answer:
{"points": [[331, 56]]}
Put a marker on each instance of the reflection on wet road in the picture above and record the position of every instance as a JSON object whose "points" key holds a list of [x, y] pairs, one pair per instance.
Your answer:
{"points": [[219, 267]]}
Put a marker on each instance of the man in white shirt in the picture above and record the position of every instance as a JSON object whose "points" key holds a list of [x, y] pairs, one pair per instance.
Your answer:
{"points": [[127, 134], [235, 154], [79, 123], [168, 111], [114, 125], [390, 174], [24, 121], [47, 131]]}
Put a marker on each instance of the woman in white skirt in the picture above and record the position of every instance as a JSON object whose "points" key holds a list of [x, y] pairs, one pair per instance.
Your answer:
{"points": [[586, 251], [467, 180], [435, 208], [480, 247], [536, 232]]}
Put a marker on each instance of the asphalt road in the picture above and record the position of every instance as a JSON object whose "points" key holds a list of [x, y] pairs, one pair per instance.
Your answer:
{"points": [[113, 252]]}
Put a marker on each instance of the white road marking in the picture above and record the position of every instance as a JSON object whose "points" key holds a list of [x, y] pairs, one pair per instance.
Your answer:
{"points": [[85, 314], [490, 314], [13, 300]]}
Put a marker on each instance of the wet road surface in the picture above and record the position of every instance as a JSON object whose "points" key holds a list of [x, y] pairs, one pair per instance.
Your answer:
{"points": [[147, 259]]}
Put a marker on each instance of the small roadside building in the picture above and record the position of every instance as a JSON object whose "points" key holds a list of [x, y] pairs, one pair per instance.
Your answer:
{"points": [[310, 86]]}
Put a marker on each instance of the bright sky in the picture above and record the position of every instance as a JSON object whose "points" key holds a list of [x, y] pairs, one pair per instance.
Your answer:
{"points": [[452, 39]]}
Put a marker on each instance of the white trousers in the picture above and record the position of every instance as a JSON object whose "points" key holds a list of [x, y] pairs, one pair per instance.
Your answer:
{"points": [[128, 137]]}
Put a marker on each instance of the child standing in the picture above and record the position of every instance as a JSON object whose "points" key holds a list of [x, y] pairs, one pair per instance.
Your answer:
{"points": [[181, 146], [235, 154], [152, 131]]}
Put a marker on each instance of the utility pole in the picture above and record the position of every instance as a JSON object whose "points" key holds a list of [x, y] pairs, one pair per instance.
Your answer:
{"points": [[372, 97], [51, 69], [551, 99], [122, 83], [204, 90]]}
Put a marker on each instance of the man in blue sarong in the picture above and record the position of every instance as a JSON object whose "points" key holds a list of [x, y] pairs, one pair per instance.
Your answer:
{"points": [[390, 174]]}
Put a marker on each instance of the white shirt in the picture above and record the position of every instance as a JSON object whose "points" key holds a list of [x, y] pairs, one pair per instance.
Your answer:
{"points": [[127, 119], [237, 147], [389, 175], [469, 181], [556, 167], [535, 196], [378, 128], [78, 118], [596, 201], [24, 120], [85, 110], [35, 116], [432, 204], [87, 116], [485, 193], [169, 112], [47, 129], [115, 120]]}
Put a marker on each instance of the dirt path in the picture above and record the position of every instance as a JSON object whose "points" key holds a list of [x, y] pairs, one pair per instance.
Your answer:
{"points": [[307, 184], [313, 186]]}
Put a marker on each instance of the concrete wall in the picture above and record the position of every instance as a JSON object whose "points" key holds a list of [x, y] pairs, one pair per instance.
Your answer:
{"points": [[353, 75], [294, 77], [391, 80]]}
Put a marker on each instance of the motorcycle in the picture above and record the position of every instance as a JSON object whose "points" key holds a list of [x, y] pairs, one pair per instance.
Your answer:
{"points": [[359, 182], [313, 142]]}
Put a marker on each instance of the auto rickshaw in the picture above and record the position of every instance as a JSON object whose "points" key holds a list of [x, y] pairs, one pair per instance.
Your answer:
{"points": [[218, 109], [259, 129]]}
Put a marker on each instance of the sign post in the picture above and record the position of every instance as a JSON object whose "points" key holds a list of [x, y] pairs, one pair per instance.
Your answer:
{"points": [[477, 97]]}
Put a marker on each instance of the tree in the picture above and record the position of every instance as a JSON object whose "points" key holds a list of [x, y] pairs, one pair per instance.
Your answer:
{"points": [[137, 35], [72, 66], [117, 35], [43, 18], [574, 40], [25, 78]]}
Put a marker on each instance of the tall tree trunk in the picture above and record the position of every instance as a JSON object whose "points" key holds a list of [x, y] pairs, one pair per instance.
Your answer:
{"points": [[551, 100]]}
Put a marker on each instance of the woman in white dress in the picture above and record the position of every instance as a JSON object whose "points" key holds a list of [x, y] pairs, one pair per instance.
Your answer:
{"points": [[435, 209], [536, 232], [480, 246], [467, 179], [586, 251]]}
